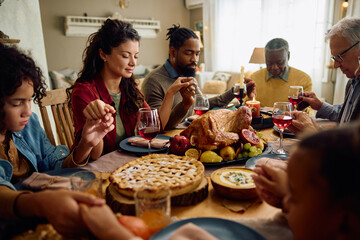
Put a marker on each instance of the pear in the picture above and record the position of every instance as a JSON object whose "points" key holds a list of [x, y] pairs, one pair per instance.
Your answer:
{"points": [[210, 157], [227, 153]]}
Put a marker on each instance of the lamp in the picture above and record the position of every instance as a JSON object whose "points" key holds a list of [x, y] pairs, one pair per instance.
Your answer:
{"points": [[345, 4], [199, 36], [258, 56]]}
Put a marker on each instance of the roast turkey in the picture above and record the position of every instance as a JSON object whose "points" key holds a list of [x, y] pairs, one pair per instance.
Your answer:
{"points": [[218, 128]]}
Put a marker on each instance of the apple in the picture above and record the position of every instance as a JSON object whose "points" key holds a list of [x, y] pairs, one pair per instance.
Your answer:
{"points": [[179, 145]]}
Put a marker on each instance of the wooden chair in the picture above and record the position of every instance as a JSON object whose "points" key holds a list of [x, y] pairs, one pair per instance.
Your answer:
{"points": [[62, 114]]}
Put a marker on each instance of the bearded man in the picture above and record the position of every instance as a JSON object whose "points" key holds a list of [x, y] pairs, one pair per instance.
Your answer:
{"points": [[184, 51]]}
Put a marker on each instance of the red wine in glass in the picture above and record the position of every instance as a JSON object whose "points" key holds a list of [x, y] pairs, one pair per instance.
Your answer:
{"points": [[237, 95], [282, 118], [201, 110], [282, 121], [148, 124], [149, 133], [295, 95], [201, 104], [295, 101]]}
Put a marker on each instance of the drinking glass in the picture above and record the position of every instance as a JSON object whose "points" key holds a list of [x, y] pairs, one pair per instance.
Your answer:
{"points": [[295, 95], [148, 124], [88, 182], [153, 207], [239, 93], [282, 118], [201, 104]]}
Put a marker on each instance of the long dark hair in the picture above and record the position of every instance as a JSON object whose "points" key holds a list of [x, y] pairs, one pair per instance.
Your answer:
{"points": [[14, 68], [112, 33]]}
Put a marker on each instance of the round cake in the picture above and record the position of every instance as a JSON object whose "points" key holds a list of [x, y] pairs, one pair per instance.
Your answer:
{"points": [[181, 174]]}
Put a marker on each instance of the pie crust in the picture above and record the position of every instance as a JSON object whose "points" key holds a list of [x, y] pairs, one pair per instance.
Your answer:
{"points": [[181, 174]]}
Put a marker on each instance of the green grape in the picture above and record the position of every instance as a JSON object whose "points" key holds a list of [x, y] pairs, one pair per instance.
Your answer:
{"points": [[253, 149], [240, 156], [256, 154], [245, 154], [251, 154], [247, 146], [259, 134], [259, 151]]}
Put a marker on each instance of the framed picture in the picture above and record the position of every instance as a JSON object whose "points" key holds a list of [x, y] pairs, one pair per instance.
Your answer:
{"points": [[198, 26]]}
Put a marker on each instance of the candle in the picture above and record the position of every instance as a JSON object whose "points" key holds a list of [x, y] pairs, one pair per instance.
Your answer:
{"points": [[254, 107], [242, 74]]}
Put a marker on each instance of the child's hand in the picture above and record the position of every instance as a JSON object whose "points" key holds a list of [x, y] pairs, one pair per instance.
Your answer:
{"points": [[271, 184], [97, 109], [95, 130]]}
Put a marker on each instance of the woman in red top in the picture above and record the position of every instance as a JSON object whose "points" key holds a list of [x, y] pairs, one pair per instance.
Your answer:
{"points": [[106, 84]]}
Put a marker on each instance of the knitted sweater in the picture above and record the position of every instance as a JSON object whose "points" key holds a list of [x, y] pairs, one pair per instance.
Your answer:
{"points": [[277, 90]]}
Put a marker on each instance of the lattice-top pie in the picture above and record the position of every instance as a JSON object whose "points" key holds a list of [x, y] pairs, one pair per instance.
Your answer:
{"points": [[179, 173]]}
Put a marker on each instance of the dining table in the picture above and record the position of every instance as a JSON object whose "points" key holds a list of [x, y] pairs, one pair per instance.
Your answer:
{"points": [[255, 213]]}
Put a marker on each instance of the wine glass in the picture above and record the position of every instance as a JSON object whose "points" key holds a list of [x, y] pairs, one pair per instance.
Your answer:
{"points": [[148, 124], [239, 93], [282, 118], [201, 104], [295, 95]]}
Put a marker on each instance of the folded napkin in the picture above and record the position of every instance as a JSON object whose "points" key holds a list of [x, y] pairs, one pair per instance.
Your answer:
{"points": [[191, 231], [271, 162], [155, 143], [41, 181]]}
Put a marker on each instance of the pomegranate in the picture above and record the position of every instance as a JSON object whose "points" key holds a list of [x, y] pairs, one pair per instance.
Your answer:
{"points": [[248, 136]]}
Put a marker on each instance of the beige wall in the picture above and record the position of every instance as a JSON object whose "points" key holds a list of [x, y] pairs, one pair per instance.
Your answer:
{"points": [[21, 20], [65, 52], [195, 16]]}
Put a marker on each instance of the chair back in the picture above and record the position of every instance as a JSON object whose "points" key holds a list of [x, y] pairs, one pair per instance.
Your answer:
{"points": [[62, 114]]}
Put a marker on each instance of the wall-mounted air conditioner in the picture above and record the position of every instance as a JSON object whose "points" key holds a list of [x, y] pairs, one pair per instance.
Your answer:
{"points": [[78, 26], [192, 4]]}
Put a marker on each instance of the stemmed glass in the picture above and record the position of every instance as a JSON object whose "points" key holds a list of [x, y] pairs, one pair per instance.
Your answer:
{"points": [[282, 118], [148, 124], [201, 104], [239, 93], [295, 95]]}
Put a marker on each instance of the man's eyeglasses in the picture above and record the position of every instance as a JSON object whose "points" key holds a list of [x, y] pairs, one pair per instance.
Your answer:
{"points": [[338, 57]]}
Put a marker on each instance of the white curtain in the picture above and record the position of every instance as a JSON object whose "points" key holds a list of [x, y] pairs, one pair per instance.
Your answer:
{"points": [[232, 28], [341, 79]]}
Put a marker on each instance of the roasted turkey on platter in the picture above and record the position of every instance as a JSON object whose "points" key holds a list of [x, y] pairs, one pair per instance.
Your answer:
{"points": [[218, 128]]}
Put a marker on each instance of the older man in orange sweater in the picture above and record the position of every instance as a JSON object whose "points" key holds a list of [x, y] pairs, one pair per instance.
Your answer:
{"points": [[273, 82]]}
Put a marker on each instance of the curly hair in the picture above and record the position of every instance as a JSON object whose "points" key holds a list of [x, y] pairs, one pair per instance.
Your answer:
{"points": [[14, 68], [112, 33]]}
